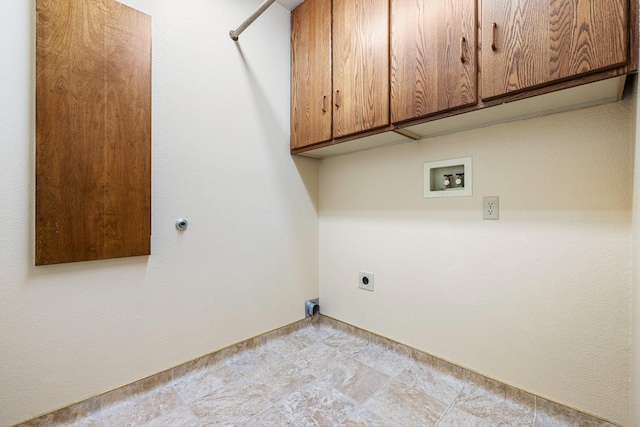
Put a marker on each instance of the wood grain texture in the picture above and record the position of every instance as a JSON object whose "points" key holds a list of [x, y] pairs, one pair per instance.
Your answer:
{"points": [[93, 131], [429, 39], [540, 41], [515, 96], [360, 65], [634, 44], [311, 94]]}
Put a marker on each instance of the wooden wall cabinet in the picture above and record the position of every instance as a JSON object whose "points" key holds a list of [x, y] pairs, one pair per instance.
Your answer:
{"points": [[93, 131], [360, 65], [528, 43], [339, 69], [311, 90], [434, 59]]}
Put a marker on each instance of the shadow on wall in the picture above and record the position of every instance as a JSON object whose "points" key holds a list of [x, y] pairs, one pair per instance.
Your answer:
{"points": [[308, 168]]}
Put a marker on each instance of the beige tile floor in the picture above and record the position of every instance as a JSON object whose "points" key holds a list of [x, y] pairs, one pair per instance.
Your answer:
{"points": [[317, 372]]}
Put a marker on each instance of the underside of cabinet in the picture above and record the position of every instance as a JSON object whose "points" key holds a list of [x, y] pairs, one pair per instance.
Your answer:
{"points": [[586, 95]]}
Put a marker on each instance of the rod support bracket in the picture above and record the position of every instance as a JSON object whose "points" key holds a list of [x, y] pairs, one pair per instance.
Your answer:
{"points": [[234, 34]]}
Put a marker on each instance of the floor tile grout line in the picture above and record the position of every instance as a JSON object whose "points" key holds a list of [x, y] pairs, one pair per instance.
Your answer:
{"points": [[318, 378], [253, 388], [361, 405], [271, 406], [348, 397], [275, 404], [173, 385], [373, 367], [391, 378], [535, 410], [287, 417], [453, 401]]}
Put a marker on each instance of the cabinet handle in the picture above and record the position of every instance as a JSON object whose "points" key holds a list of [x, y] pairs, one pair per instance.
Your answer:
{"points": [[337, 99], [324, 104], [493, 39], [462, 41]]}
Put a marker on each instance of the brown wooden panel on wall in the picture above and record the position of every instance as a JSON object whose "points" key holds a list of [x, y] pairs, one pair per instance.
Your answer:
{"points": [[93, 131]]}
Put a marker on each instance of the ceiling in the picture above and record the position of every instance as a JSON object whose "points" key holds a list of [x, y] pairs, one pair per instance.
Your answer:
{"points": [[290, 4]]}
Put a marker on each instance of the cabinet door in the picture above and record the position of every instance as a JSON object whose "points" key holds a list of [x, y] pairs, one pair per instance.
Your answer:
{"points": [[433, 56], [526, 43], [93, 131], [311, 73], [360, 65]]}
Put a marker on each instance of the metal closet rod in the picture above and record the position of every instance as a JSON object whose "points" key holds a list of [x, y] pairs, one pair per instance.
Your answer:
{"points": [[234, 34]]}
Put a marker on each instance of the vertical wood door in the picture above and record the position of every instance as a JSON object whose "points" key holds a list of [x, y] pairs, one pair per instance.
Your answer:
{"points": [[311, 101], [526, 43], [360, 65], [93, 131], [433, 57]]}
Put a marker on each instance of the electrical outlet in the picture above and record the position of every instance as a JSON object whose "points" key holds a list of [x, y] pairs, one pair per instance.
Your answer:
{"points": [[365, 280], [490, 207]]}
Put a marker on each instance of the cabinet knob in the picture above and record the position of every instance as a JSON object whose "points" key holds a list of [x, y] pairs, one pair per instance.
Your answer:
{"points": [[324, 104], [337, 99], [493, 39]]}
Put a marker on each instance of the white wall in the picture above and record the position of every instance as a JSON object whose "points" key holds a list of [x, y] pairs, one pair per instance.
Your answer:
{"points": [[246, 264], [539, 299], [635, 284]]}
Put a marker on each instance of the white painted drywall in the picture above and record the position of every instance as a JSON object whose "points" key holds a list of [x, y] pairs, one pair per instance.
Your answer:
{"points": [[539, 299], [246, 264], [635, 284]]}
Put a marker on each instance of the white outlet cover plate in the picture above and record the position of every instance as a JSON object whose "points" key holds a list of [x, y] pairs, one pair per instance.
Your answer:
{"points": [[491, 207], [369, 276]]}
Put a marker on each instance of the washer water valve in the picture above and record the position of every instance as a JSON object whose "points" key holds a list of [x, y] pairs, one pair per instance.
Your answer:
{"points": [[460, 179], [447, 180]]}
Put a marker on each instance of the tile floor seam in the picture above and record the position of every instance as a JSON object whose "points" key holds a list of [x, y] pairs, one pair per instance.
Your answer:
{"points": [[251, 386], [396, 377], [262, 412], [315, 380], [391, 378], [348, 397], [358, 407], [535, 410], [184, 401], [301, 368], [287, 417], [453, 401], [228, 365], [293, 392], [393, 424], [275, 404]]}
